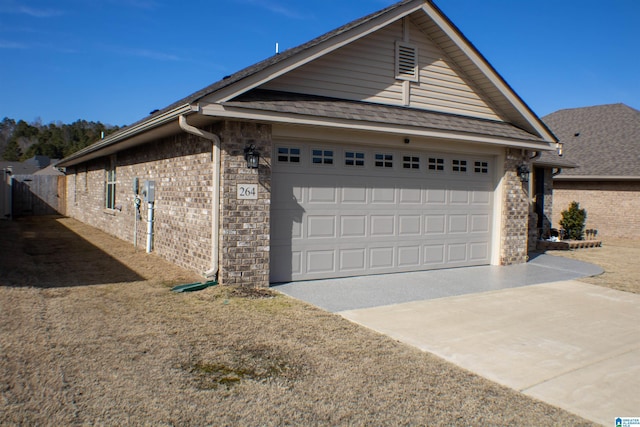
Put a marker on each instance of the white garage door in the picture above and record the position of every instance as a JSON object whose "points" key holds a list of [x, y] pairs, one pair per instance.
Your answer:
{"points": [[347, 211]]}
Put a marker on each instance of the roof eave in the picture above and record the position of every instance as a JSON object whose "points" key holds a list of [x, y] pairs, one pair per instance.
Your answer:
{"points": [[96, 150], [225, 112], [595, 178]]}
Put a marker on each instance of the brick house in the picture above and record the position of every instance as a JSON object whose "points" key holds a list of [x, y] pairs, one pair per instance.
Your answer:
{"points": [[387, 145], [604, 143]]}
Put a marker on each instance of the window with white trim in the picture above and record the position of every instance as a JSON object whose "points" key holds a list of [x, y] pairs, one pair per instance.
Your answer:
{"points": [[110, 183], [322, 157], [288, 155], [411, 162], [435, 164], [353, 158], [459, 165], [481, 167], [383, 160]]}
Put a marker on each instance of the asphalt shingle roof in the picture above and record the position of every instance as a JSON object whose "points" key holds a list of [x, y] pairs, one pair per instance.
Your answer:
{"points": [[310, 105], [603, 140]]}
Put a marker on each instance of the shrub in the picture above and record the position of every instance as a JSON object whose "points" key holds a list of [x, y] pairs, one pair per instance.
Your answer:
{"points": [[573, 221]]}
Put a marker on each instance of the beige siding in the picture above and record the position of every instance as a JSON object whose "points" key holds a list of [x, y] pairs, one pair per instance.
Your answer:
{"points": [[365, 71]]}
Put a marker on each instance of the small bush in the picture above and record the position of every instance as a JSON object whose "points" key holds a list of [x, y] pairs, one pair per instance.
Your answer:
{"points": [[573, 221]]}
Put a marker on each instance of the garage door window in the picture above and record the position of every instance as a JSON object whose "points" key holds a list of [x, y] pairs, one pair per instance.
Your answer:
{"points": [[384, 160], [352, 158], [481, 167], [436, 164], [322, 157], [411, 162], [288, 155], [459, 165]]}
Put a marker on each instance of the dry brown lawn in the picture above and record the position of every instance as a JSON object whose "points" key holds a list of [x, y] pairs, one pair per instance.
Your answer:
{"points": [[619, 259], [91, 334]]}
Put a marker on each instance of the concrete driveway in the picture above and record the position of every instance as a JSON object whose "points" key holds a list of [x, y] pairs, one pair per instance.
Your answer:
{"points": [[530, 327]]}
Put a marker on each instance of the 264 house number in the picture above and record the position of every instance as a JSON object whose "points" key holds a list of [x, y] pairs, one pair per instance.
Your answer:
{"points": [[247, 191]]}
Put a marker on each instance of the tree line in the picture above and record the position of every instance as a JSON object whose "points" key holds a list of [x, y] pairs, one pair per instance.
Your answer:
{"points": [[21, 140]]}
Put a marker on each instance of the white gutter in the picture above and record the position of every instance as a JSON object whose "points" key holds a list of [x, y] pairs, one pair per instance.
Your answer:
{"points": [[215, 217]]}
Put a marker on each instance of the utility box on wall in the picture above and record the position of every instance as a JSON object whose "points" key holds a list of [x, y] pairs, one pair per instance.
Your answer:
{"points": [[149, 191]]}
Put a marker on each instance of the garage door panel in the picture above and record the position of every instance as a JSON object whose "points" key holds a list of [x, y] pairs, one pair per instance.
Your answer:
{"points": [[328, 223], [354, 195], [459, 197], [382, 225], [434, 254], [457, 252], [436, 197], [480, 198], [409, 256], [409, 225], [383, 195], [353, 225], [322, 195], [381, 258], [353, 260], [458, 223], [435, 223], [320, 261], [478, 251], [411, 196], [321, 226], [480, 223]]}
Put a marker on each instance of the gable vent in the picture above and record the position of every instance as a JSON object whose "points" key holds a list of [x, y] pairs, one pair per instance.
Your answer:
{"points": [[406, 62]]}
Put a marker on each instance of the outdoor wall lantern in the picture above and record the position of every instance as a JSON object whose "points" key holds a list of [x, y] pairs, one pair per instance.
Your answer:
{"points": [[523, 172], [251, 156]]}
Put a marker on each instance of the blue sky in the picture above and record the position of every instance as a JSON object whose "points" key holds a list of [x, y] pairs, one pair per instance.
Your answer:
{"points": [[114, 61]]}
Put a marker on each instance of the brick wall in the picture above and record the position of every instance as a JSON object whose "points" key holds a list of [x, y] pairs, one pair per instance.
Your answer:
{"points": [[516, 210], [245, 226], [612, 207], [182, 168]]}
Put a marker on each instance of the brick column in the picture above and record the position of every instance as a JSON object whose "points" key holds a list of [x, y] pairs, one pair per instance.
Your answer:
{"points": [[515, 214], [245, 229]]}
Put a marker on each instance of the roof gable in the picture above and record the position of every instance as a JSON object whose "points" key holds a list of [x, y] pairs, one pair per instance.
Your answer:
{"points": [[491, 97], [603, 140], [448, 49], [365, 70]]}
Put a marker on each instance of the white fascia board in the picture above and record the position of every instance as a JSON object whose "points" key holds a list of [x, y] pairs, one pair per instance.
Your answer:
{"points": [[124, 134], [216, 110], [595, 178], [488, 71], [310, 54]]}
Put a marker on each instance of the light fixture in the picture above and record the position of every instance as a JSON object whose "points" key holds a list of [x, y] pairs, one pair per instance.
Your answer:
{"points": [[523, 172], [251, 156]]}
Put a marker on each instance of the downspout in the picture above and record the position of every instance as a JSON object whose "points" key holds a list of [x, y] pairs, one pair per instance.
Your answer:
{"points": [[215, 217]]}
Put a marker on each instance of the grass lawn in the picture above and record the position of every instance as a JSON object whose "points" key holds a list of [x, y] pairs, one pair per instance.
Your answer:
{"points": [[91, 334], [619, 259]]}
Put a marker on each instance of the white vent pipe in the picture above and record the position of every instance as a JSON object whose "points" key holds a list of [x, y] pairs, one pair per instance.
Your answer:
{"points": [[215, 217]]}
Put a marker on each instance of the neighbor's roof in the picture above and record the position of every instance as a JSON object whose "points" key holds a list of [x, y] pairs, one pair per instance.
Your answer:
{"points": [[604, 141]]}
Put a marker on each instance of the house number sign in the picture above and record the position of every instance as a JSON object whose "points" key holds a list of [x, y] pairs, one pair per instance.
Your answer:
{"points": [[247, 192]]}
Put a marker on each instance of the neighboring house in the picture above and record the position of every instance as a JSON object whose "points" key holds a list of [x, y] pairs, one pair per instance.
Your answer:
{"points": [[387, 145], [604, 142]]}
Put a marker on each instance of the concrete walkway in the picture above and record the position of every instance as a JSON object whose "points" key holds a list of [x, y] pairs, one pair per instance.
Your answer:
{"points": [[529, 327]]}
